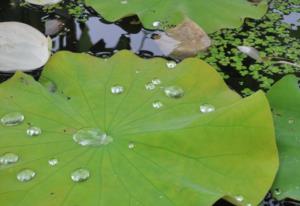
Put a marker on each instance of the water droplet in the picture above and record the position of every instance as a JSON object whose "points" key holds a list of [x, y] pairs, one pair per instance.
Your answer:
{"points": [[156, 81], [277, 191], [291, 121], [207, 108], [174, 92], [131, 145], [53, 162], [248, 204], [9, 158], [171, 64], [239, 198], [157, 105], [124, 2], [25, 175], [161, 196], [80, 175], [91, 137], [33, 131], [49, 85], [12, 119], [117, 89], [150, 86], [156, 24]]}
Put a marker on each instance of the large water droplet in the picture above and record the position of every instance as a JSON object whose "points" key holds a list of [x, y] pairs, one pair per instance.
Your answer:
{"points": [[25, 175], [53, 162], [91, 137], [80, 175], [174, 92], [12, 119], [207, 108], [157, 105], [171, 64], [9, 158], [33, 131], [117, 89], [150, 86], [239, 198]]}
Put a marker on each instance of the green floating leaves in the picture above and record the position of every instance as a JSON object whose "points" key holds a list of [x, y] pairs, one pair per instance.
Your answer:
{"points": [[210, 15], [126, 131], [284, 98]]}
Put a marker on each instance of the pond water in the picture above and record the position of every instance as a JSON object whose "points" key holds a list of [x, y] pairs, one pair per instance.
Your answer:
{"points": [[89, 32]]}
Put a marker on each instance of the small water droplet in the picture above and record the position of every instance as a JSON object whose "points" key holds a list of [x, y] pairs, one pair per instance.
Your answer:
{"points": [[12, 119], [156, 81], [49, 85], [26, 175], [91, 137], [124, 2], [117, 89], [150, 86], [161, 196], [248, 204], [171, 64], [131, 145], [239, 198], [156, 24], [80, 175], [277, 191], [157, 105], [33, 131], [291, 121], [207, 108], [174, 92], [9, 158], [53, 162]]}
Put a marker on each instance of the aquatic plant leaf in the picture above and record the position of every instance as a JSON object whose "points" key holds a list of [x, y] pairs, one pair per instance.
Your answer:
{"points": [[22, 47], [284, 98], [43, 2], [211, 15], [129, 131]]}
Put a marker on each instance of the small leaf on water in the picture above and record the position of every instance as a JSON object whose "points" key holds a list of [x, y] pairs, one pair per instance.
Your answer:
{"points": [[251, 52]]}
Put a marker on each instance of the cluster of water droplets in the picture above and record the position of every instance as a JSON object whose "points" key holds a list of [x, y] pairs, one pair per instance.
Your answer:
{"points": [[92, 136]]}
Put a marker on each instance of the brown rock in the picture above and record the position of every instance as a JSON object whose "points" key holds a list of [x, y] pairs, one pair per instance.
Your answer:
{"points": [[192, 38]]}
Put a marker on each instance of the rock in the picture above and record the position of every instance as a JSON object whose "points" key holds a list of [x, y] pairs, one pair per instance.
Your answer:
{"points": [[53, 26], [192, 38]]}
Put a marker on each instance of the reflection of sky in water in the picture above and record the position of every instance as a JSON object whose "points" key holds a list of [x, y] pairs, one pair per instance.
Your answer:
{"points": [[95, 31], [293, 18]]}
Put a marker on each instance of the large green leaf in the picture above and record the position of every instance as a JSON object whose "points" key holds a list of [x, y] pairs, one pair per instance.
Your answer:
{"points": [[285, 100], [210, 15], [172, 155]]}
